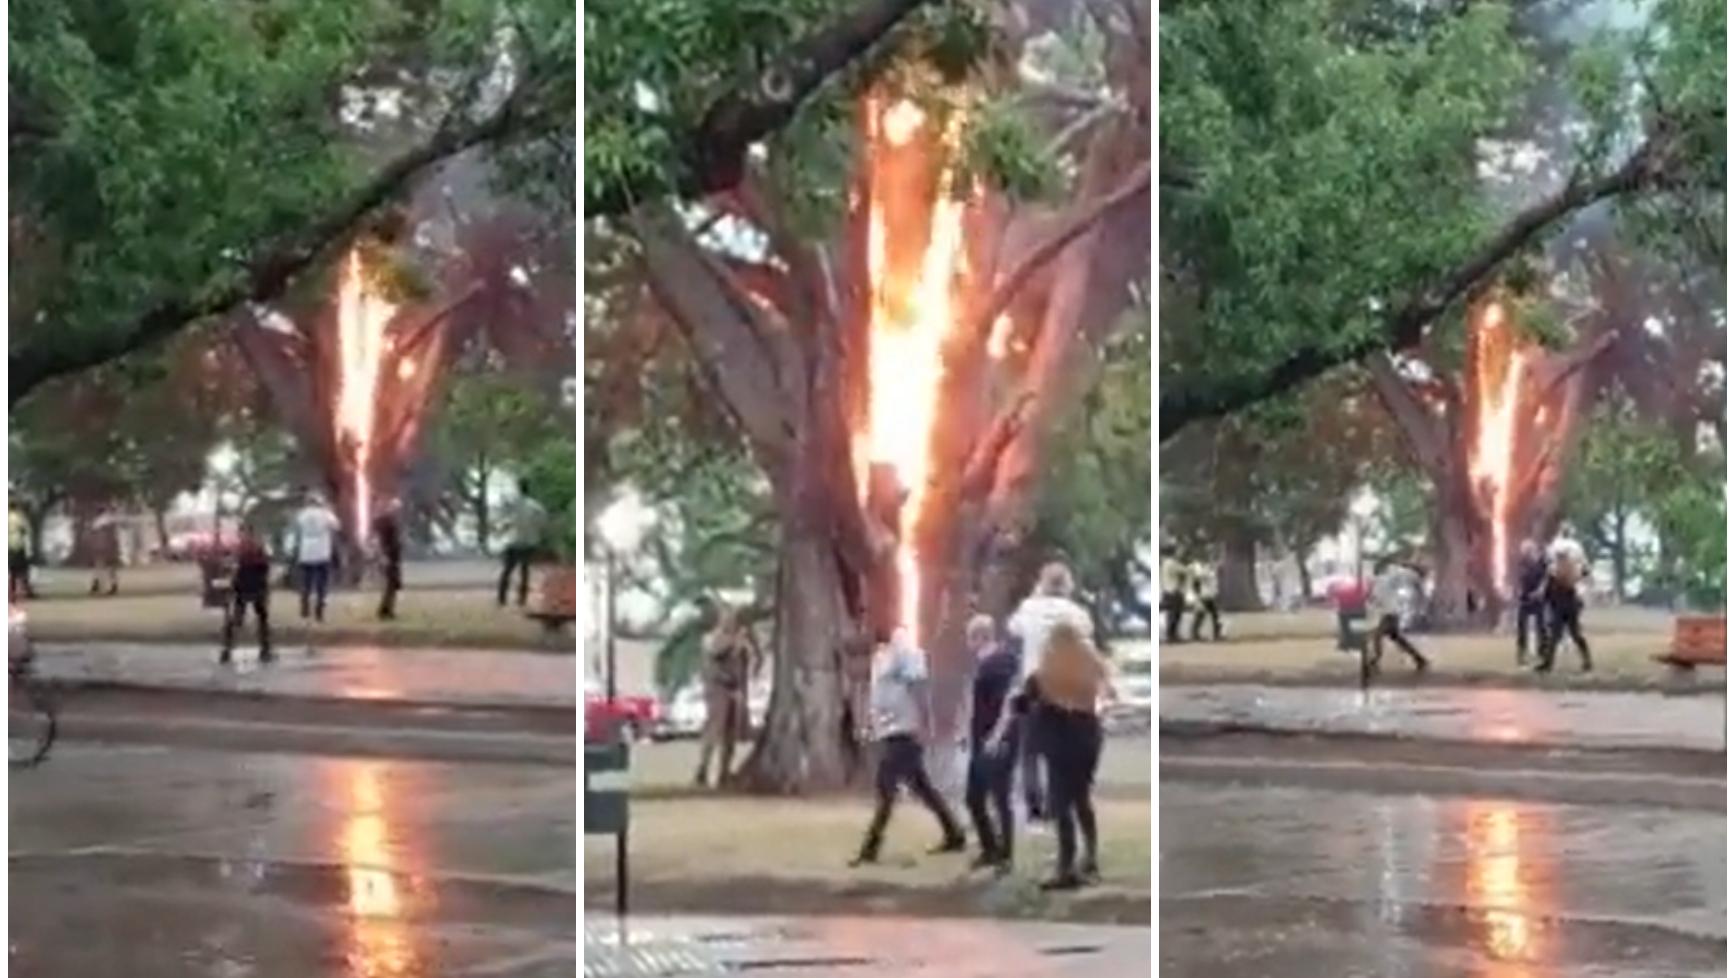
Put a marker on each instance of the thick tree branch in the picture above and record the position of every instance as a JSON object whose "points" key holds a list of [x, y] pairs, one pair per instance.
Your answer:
{"points": [[1082, 219], [1425, 432], [1181, 404], [716, 154], [50, 350]]}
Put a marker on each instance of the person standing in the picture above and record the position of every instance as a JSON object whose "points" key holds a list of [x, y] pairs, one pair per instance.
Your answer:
{"points": [[1564, 606], [1173, 600], [250, 587], [988, 789], [1532, 618], [1072, 677], [316, 528], [724, 671], [105, 541], [1395, 586], [528, 522], [17, 556], [1203, 579], [1036, 617], [898, 717], [388, 535]]}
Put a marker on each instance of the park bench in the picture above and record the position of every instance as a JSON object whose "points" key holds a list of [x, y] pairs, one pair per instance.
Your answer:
{"points": [[605, 805], [1699, 640], [556, 604]]}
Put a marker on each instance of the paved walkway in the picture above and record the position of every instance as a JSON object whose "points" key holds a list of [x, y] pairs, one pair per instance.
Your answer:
{"points": [[464, 678], [859, 947], [1479, 714]]}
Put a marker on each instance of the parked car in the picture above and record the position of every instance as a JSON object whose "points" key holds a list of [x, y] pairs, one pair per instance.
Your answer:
{"points": [[683, 716], [629, 716]]}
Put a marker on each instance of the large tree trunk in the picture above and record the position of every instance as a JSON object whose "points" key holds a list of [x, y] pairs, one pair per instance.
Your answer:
{"points": [[1454, 532], [1238, 574]]}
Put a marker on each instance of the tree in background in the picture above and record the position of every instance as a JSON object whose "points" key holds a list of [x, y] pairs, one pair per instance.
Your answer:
{"points": [[171, 163], [492, 424]]}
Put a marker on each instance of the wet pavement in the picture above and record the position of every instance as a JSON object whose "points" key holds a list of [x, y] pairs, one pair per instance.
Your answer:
{"points": [[484, 677], [1477, 714], [859, 947], [153, 862], [1286, 882]]}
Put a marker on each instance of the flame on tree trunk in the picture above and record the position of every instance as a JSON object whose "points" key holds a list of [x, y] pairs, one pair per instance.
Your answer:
{"points": [[1494, 447], [353, 380], [861, 374]]}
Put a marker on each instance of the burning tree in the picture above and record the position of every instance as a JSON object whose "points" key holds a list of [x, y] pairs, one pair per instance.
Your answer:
{"points": [[897, 384]]}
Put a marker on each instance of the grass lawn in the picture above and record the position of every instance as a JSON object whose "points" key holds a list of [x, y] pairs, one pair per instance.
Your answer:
{"points": [[701, 852], [1278, 647], [445, 605]]}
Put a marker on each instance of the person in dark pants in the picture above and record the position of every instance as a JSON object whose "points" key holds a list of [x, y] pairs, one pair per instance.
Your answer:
{"points": [[1202, 577], [529, 521], [1564, 606], [389, 536], [250, 587], [1394, 588], [1532, 620], [988, 790], [900, 675], [1063, 694], [18, 556], [1173, 601]]}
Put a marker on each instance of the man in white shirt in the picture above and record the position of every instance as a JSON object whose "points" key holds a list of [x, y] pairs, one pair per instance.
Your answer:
{"points": [[528, 522], [316, 528], [1396, 586], [1030, 626], [1566, 568], [897, 711]]}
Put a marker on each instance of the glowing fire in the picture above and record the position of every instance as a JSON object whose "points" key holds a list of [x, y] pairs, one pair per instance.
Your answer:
{"points": [[912, 314], [1500, 374], [361, 348]]}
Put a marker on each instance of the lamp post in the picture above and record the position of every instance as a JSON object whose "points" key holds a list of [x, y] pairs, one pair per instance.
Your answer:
{"points": [[623, 525]]}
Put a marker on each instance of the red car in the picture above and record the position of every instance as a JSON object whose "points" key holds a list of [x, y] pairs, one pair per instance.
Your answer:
{"points": [[631, 717]]}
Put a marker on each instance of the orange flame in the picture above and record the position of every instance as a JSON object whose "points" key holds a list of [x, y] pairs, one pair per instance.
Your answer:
{"points": [[1498, 382], [361, 346], [912, 313]]}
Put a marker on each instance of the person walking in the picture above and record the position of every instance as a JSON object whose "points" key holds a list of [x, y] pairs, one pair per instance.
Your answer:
{"points": [[725, 669], [1173, 599], [1564, 606], [1062, 696], [1395, 586], [18, 556], [388, 536], [249, 587], [1049, 605], [1532, 616], [1202, 577], [529, 521], [988, 787], [105, 549], [897, 700], [316, 528]]}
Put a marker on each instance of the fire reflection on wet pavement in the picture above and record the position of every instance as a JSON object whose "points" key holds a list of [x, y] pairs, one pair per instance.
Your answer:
{"points": [[1263, 881], [152, 863]]}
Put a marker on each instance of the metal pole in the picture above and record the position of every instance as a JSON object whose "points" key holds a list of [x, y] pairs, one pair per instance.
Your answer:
{"points": [[608, 622], [620, 872]]}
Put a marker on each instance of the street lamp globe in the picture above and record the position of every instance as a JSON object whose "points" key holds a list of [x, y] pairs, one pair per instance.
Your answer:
{"points": [[624, 523]]}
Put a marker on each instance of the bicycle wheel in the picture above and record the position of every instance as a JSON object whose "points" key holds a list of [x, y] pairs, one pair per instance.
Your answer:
{"points": [[31, 723]]}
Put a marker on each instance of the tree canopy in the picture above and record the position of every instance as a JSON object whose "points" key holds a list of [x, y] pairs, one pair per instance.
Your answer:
{"points": [[173, 161]]}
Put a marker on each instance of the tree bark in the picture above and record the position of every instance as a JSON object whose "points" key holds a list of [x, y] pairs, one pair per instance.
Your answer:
{"points": [[818, 702], [1238, 574]]}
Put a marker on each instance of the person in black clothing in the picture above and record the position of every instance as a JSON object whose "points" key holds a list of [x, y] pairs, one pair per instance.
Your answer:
{"points": [[391, 544], [988, 793], [250, 586], [1532, 576]]}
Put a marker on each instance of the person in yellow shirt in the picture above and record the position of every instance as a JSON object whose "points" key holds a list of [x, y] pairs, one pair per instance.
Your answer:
{"points": [[18, 556], [1173, 602], [1203, 578]]}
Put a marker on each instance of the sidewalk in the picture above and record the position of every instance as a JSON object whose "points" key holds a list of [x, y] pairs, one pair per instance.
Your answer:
{"points": [[457, 678], [859, 947], [1480, 715]]}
